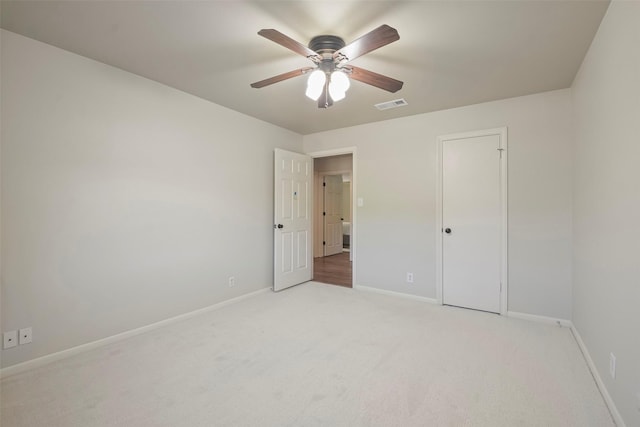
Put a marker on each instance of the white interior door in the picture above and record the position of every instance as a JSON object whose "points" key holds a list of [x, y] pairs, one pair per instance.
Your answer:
{"points": [[472, 222], [292, 219], [332, 214]]}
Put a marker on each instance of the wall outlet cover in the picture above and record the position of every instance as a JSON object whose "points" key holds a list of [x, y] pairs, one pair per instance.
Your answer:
{"points": [[232, 281], [10, 339], [25, 335]]}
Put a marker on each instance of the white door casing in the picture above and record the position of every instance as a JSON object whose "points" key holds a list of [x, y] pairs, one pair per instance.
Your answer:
{"points": [[293, 174], [332, 214], [472, 242]]}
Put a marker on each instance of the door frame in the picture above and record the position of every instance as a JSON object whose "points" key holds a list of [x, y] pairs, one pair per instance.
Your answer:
{"points": [[504, 272], [354, 183]]}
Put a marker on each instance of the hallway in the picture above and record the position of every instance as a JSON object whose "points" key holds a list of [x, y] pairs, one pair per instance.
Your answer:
{"points": [[334, 270]]}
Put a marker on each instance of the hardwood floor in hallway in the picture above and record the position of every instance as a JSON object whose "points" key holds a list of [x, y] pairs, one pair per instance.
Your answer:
{"points": [[334, 270]]}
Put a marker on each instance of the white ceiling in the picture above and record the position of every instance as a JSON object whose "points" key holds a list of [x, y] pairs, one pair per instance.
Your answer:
{"points": [[450, 53]]}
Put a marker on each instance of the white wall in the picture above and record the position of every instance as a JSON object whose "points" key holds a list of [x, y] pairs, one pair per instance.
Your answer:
{"points": [[124, 202], [397, 171], [606, 95]]}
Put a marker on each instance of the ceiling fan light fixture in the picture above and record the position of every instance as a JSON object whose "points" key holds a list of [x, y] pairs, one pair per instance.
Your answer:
{"points": [[315, 84], [338, 85], [331, 80]]}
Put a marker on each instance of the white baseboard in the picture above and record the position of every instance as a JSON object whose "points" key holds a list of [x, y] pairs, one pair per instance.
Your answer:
{"points": [[540, 319], [44, 360], [395, 294], [617, 418]]}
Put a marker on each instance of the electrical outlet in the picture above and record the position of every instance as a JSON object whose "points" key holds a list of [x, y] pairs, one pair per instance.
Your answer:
{"points": [[10, 339], [612, 365], [232, 281], [26, 335], [409, 277]]}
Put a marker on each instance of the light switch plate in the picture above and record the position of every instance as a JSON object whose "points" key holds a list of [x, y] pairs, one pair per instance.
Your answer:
{"points": [[612, 365]]}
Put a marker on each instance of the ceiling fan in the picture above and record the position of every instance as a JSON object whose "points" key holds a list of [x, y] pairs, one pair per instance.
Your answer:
{"points": [[329, 79]]}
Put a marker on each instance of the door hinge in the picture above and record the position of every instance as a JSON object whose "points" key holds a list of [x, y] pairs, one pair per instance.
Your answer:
{"points": [[324, 184], [324, 243], [500, 150], [324, 214]]}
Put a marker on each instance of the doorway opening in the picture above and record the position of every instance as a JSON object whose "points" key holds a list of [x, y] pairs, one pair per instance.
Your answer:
{"points": [[333, 219]]}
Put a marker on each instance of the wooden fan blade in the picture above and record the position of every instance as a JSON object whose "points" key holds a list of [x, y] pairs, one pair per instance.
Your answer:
{"points": [[289, 43], [374, 79], [381, 36], [281, 77]]}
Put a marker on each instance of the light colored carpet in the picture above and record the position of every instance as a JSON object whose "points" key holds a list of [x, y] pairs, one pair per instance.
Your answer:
{"points": [[319, 355]]}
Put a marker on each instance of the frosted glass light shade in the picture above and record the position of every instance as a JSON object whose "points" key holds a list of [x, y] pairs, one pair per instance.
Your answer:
{"points": [[339, 85], [335, 94], [315, 84], [340, 80]]}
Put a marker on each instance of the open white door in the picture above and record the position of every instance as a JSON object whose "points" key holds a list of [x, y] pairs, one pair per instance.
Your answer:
{"points": [[332, 214], [292, 219]]}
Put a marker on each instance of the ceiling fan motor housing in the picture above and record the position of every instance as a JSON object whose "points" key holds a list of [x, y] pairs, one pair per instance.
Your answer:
{"points": [[326, 44]]}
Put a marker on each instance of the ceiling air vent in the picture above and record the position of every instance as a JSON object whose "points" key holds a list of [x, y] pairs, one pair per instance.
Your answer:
{"points": [[391, 104]]}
